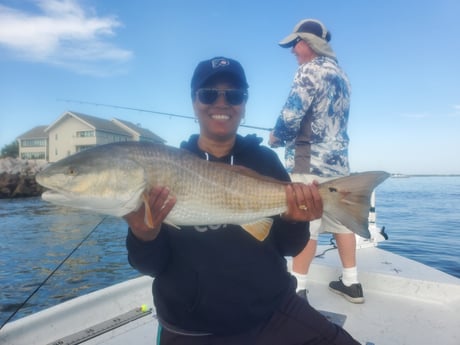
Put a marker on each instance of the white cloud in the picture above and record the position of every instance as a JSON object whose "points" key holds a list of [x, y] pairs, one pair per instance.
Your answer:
{"points": [[62, 33]]}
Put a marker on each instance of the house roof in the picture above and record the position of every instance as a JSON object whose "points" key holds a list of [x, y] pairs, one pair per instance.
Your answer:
{"points": [[35, 133], [94, 122], [137, 129], [115, 125]]}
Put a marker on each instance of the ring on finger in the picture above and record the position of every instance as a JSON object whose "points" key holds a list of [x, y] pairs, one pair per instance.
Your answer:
{"points": [[303, 207]]}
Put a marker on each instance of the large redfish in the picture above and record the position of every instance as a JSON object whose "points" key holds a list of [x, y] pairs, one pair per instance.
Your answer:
{"points": [[113, 179]]}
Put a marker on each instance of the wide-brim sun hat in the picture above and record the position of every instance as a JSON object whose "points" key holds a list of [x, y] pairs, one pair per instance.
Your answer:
{"points": [[314, 33]]}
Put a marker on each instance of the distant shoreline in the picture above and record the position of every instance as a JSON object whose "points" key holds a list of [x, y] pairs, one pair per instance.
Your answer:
{"points": [[399, 175], [423, 175]]}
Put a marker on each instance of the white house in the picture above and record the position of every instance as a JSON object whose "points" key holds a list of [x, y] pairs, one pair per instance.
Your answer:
{"points": [[73, 132], [33, 144]]}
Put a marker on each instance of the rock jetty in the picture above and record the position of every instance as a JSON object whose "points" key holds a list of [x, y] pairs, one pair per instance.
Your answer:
{"points": [[17, 178]]}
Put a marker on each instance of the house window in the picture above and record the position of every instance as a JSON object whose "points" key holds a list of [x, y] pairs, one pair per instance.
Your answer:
{"points": [[33, 142], [56, 137], [33, 155], [85, 134]]}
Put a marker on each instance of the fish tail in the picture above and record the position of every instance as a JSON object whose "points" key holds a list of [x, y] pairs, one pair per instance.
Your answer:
{"points": [[347, 200]]}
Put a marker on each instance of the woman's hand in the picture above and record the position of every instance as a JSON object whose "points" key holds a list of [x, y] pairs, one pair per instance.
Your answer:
{"points": [[304, 202], [157, 203]]}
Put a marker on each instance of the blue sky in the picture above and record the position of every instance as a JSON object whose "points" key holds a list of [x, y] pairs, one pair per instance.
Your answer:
{"points": [[401, 58]]}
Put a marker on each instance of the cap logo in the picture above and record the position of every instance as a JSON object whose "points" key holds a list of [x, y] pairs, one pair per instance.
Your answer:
{"points": [[220, 62]]}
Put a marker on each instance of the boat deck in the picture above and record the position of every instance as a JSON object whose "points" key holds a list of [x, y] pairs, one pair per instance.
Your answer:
{"points": [[406, 303]]}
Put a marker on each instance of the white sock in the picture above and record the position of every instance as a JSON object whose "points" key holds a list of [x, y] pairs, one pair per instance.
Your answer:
{"points": [[350, 276], [301, 280]]}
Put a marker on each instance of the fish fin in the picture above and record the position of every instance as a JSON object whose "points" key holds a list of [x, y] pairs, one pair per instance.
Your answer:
{"points": [[259, 229], [148, 218], [172, 224], [347, 199]]}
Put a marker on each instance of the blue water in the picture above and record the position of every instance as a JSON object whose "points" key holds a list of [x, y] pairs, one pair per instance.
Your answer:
{"points": [[421, 215], [36, 236]]}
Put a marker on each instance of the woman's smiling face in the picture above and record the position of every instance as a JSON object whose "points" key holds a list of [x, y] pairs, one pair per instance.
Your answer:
{"points": [[220, 119]]}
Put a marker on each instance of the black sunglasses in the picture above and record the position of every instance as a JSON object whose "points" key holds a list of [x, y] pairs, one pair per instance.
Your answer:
{"points": [[297, 40], [232, 96]]}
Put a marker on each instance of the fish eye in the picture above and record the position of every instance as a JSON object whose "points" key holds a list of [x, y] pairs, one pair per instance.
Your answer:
{"points": [[71, 171]]}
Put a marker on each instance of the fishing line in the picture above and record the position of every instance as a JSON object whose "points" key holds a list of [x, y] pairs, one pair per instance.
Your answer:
{"points": [[334, 247], [52, 273], [150, 111]]}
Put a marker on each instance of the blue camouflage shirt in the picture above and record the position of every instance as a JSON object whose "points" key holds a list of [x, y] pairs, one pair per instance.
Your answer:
{"points": [[313, 122]]}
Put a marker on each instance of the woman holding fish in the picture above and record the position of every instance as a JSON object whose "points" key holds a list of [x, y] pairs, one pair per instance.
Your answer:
{"points": [[215, 283]]}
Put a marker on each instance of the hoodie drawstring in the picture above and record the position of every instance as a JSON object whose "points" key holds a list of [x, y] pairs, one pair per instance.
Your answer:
{"points": [[207, 158]]}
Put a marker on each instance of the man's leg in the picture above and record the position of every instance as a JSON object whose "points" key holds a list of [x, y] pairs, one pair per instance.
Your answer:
{"points": [[348, 285], [346, 244], [301, 264]]}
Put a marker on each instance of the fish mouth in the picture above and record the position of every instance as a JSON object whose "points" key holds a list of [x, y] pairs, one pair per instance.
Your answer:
{"points": [[54, 195], [105, 206], [108, 205]]}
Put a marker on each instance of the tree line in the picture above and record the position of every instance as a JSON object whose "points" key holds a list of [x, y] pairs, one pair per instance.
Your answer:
{"points": [[10, 150]]}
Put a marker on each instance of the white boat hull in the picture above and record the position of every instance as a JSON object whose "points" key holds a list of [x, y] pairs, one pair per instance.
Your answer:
{"points": [[406, 303]]}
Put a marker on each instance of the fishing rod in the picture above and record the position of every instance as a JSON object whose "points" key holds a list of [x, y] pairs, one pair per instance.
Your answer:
{"points": [[150, 111], [52, 273]]}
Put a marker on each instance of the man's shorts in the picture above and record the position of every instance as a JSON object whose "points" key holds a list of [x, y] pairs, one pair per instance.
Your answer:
{"points": [[325, 224]]}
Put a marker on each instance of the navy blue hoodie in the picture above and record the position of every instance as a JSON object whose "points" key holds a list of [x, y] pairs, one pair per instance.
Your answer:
{"points": [[219, 279]]}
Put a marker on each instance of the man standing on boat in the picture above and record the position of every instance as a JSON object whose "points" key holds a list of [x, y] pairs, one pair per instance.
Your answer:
{"points": [[313, 128]]}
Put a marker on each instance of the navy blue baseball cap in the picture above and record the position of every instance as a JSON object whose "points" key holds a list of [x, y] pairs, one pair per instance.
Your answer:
{"points": [[220, 65]]}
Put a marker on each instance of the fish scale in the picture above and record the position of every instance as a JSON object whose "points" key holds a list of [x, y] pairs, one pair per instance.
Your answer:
{"points": [[202, 185]]}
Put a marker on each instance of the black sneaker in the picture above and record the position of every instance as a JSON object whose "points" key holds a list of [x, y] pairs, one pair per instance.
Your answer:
{"points": [[352, 293], [303, 294]]}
